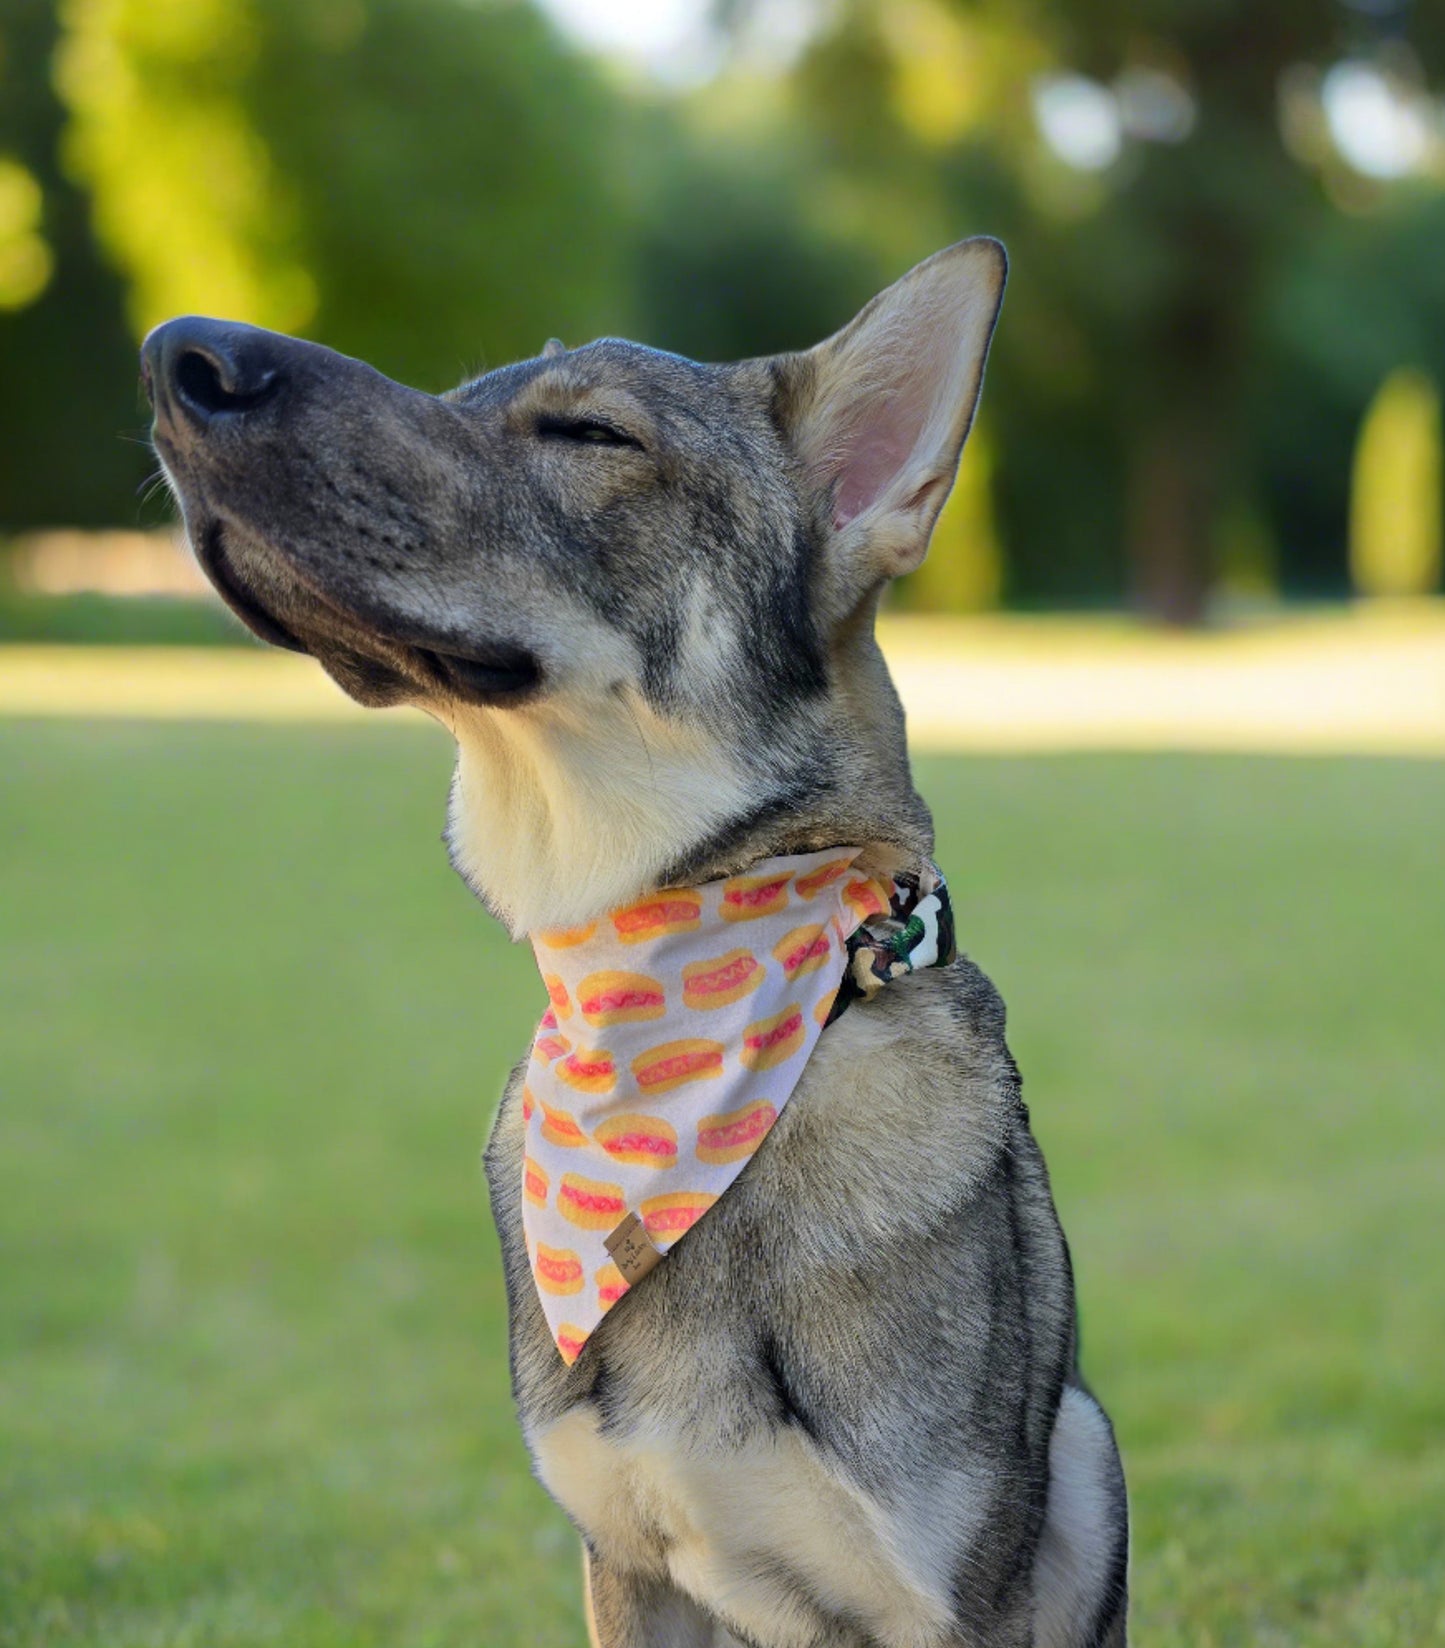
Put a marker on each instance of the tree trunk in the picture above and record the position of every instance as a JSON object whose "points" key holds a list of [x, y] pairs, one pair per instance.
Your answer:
{"points": [[1173, 499]]}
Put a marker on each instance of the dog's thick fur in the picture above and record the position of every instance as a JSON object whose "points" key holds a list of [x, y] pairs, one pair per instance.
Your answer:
{"points": [[846, 1412]]}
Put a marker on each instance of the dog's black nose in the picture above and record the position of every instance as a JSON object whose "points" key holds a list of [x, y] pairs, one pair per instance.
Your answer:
{"points": [[209, 369]]}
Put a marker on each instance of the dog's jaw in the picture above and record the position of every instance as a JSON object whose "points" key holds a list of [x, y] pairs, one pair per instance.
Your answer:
{"points": [[556, 816]]}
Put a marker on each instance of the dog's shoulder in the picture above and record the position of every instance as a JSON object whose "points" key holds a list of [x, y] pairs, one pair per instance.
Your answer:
{"points": [[908, 1100]]}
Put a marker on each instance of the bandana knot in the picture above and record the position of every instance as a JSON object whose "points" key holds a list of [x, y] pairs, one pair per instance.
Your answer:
{"points": [[677, 1029]]}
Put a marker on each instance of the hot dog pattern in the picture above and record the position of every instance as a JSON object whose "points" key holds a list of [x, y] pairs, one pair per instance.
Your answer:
{"points": [[721, 981], [589, 1070], [673, 910], [591, 1203], [563, 938], [804, 950], [560, 1128], [865, 898], [611, 1285], [536, 1182], [550, 1043], [750, 897], [660, 1069], [643, 1141], [613, 996], [570, 1340], [735, 1135], [675, 1031], [558, 1270], [773, 1041], [670, 1216], [812, 882]]}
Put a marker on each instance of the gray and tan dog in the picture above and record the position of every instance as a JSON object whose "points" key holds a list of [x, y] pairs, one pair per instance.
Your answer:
{"points": [[640, 591]]}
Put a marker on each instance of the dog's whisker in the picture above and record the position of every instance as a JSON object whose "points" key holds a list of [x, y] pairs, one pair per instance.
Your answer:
{"points": [[152, 486]]}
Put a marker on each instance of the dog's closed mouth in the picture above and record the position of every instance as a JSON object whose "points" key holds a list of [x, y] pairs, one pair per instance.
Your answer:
{"points": [[211, 553], [492, 674]]}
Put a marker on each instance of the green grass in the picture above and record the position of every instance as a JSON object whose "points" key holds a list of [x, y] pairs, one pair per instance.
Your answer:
{"points": [[252, 1365], [114, 620]]}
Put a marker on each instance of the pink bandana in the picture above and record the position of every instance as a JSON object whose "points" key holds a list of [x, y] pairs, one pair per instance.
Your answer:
{"points": [[678, 1029]]}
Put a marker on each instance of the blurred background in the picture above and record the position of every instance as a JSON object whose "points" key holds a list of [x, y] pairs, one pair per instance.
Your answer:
{"points": [[1221, 370], [1175, 667]]}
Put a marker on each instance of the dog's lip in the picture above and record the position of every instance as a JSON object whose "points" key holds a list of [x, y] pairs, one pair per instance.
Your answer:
{"points": [[482, 672], [492, 673], [211, 553]]}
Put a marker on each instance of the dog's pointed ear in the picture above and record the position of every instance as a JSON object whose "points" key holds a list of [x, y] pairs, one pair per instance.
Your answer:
{"points": [[552, 348], [879, 411]]}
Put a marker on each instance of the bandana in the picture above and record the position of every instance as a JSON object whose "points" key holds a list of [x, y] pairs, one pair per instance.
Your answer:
{"points": [[677, 1031]]}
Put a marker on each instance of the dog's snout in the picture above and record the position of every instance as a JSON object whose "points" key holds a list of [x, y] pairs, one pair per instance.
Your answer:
{"points": [[209, 369]]}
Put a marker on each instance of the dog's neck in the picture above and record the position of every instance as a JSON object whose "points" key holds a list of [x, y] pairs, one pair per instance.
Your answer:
{"points": [[554, 820], [559, 815]]}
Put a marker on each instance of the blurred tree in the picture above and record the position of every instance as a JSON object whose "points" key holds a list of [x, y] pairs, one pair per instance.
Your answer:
{"points": [[68, 382], [1358, 299], [1133, 156], [963, 571], [184, 192], [431, 184], [25, 258], [1212, 212], [1208, 286], [421, 182], [738, 251], [1395, 519], [730, 254]]}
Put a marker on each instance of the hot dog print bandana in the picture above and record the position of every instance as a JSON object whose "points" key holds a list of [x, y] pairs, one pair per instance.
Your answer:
{"points": [[677, 1031]]}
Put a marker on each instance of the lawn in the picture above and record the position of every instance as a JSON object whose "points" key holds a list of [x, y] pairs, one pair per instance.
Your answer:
{"points": [[252, 1362]]}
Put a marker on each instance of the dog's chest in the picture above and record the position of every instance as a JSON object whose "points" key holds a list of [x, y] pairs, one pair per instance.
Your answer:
{"points": [[741, 1426], [764, 1533]]}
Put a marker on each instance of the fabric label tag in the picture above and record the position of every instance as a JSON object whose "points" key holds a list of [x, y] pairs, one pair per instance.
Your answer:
{"points": [[631, 1249]]}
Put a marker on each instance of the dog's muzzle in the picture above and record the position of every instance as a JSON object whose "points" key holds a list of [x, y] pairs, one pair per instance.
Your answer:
{"points": [[253, 427]]}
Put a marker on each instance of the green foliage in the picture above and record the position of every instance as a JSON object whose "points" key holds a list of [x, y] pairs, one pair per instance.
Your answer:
{"points": [[732, 254], [416, 181], [454, 172], [1192, 335], [1395, 522], [255, 1381], [70, 409], [1142, 335], [26, 260]]}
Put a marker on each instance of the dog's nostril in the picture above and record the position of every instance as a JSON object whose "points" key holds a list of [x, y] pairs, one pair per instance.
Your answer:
{"points": [[199, 381], [212, 386]]}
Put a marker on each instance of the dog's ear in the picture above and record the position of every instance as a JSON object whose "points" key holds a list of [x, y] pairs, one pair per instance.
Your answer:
{"points": [[879, 411]]}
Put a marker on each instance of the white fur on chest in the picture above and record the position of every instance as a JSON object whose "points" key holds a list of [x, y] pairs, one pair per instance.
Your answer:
{"points": [[728, 1527]]}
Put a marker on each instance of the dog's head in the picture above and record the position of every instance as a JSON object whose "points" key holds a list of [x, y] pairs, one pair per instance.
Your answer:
{"points": [[639, 590]]}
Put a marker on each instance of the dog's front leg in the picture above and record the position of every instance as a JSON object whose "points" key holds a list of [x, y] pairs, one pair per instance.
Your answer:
{"points": [[631, 1610]]}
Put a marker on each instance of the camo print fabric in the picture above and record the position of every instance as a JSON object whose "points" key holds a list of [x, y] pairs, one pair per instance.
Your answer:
{"points": [[915, 931], [677, 1029]]}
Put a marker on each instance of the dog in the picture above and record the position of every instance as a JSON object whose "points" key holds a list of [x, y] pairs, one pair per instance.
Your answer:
{"points": [[846, 1410]]}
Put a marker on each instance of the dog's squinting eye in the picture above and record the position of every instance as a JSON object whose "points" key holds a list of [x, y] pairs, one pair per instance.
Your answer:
{"points": [[585, 431]]}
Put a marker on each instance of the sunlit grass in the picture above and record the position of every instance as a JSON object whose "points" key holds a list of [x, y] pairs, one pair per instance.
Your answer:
{"points": [[252, 1370], [1362, 679]]}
